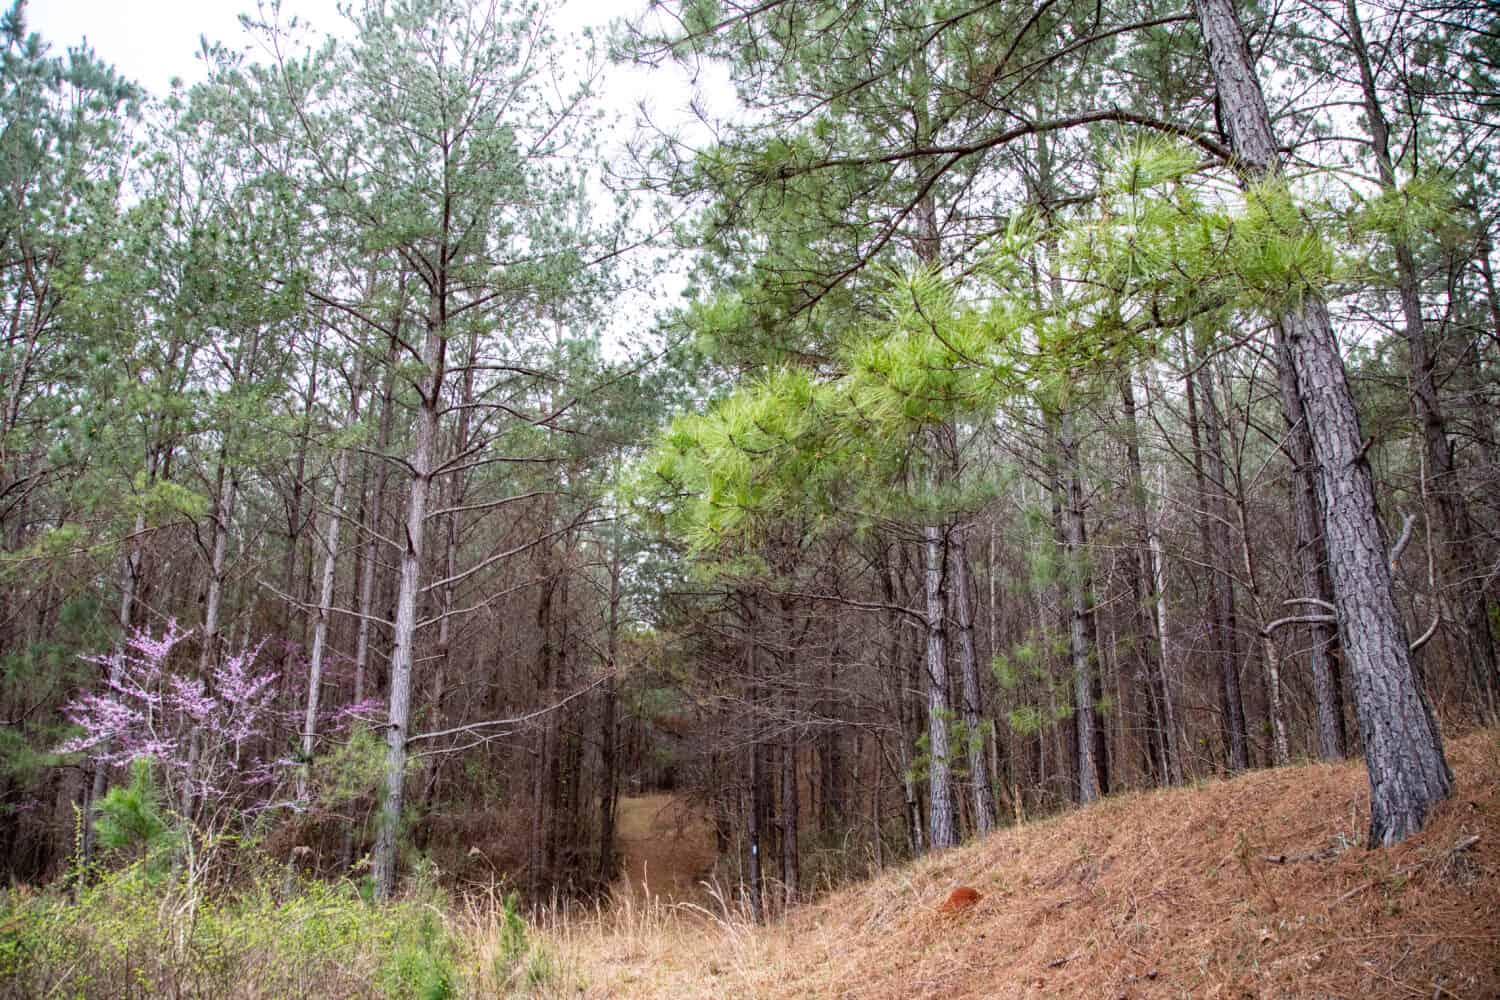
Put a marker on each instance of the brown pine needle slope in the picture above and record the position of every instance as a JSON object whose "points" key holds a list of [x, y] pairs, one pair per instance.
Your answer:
{"points": [[1259, 886]]}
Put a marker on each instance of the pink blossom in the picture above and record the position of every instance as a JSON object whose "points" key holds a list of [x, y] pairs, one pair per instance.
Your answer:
{"points": [[194, 727]]}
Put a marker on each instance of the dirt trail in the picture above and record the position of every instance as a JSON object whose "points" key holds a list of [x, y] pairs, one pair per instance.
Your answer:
{"points": [[666, 845]]}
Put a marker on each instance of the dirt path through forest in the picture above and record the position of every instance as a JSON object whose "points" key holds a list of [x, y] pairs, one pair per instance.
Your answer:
{"points": [[666, 846]]}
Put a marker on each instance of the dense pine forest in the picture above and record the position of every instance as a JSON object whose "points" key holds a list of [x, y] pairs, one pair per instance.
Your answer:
{"points": [[913, 420]]}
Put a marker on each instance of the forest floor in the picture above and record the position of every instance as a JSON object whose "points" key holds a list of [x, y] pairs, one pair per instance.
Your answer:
{"points": [[1257, 886], [666, 845]]}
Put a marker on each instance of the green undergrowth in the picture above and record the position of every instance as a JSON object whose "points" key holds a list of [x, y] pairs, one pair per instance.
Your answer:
{"points": [[137, 933]]}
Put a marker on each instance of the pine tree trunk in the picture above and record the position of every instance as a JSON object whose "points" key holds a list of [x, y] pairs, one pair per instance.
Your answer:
{"points": [[1280, 749], [320, 626], [1312, 566], [376, 509], [383, 860], [753, 830], [973, 705], [609, 778], [225, 488], [1403, 748], [940, 834], [1462, 567], [294, 608], [1079, 649], [791, 875], [1216, 519], [1144, 599]]}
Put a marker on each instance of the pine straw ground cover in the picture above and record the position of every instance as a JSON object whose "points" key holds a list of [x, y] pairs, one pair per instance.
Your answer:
{"points": [[1258, 886]]}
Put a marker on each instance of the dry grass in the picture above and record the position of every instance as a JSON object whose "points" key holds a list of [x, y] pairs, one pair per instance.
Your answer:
{"points": [[1254, 887]]}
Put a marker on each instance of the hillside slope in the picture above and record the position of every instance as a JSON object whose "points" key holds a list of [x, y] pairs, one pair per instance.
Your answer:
{"points": [[1254, 887]]}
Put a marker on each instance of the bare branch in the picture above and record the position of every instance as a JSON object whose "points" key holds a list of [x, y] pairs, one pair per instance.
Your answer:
{"points": [[1315, 601], [1299, 620], [1407, 520], [517, 720], [1426, 637]]}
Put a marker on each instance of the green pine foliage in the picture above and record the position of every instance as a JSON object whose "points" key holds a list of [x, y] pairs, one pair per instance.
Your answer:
{"points": [[133, 820]]}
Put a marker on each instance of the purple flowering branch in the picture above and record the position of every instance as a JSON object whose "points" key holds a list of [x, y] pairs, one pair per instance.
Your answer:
{"points": [[196, 728]]}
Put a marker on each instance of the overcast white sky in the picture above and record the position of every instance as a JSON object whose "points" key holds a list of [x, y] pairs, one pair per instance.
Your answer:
{"points": [[150, 41]]}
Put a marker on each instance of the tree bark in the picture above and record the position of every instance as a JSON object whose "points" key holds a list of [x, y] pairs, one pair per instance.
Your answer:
{"points": [[1215, 516], [376, 509], [791, 875], [1460, 553], [1403, 748], [753, 817], [940, 833], [1144, 599], [331, 537], [1089, 785], [1312, 565], [429, 388], [973, 704], [609, 782]]}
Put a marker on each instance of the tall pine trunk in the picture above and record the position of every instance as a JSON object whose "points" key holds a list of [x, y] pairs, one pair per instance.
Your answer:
{"points": [[973, 705], [331, 536], [1142, 572], [940, 829], [1403, 748], [1080, 650], [420, 465], [1215, 515], [1462, 566], [1312, 564]]}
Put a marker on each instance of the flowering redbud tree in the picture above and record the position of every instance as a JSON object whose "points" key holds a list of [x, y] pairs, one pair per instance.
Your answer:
{"points": [[199, 730]]}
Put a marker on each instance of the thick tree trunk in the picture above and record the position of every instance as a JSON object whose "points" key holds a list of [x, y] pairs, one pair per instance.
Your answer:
{"points": [[1312, 565], [383, 860], [1403, 748], [1460, 563], [940, 833]]}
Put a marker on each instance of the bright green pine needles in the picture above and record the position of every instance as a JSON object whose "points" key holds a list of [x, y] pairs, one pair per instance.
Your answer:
{"points": [[1049, 313]]}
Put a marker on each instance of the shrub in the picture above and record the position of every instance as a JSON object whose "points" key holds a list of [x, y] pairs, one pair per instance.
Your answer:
{"points": [[134, 933]]}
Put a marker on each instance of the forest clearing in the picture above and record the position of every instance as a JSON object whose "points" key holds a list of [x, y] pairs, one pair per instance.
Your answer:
{"points": [[807, 498]]}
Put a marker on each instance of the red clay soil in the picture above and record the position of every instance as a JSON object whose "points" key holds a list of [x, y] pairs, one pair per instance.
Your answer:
{"points": [[960, 899], [1258, 886]]}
